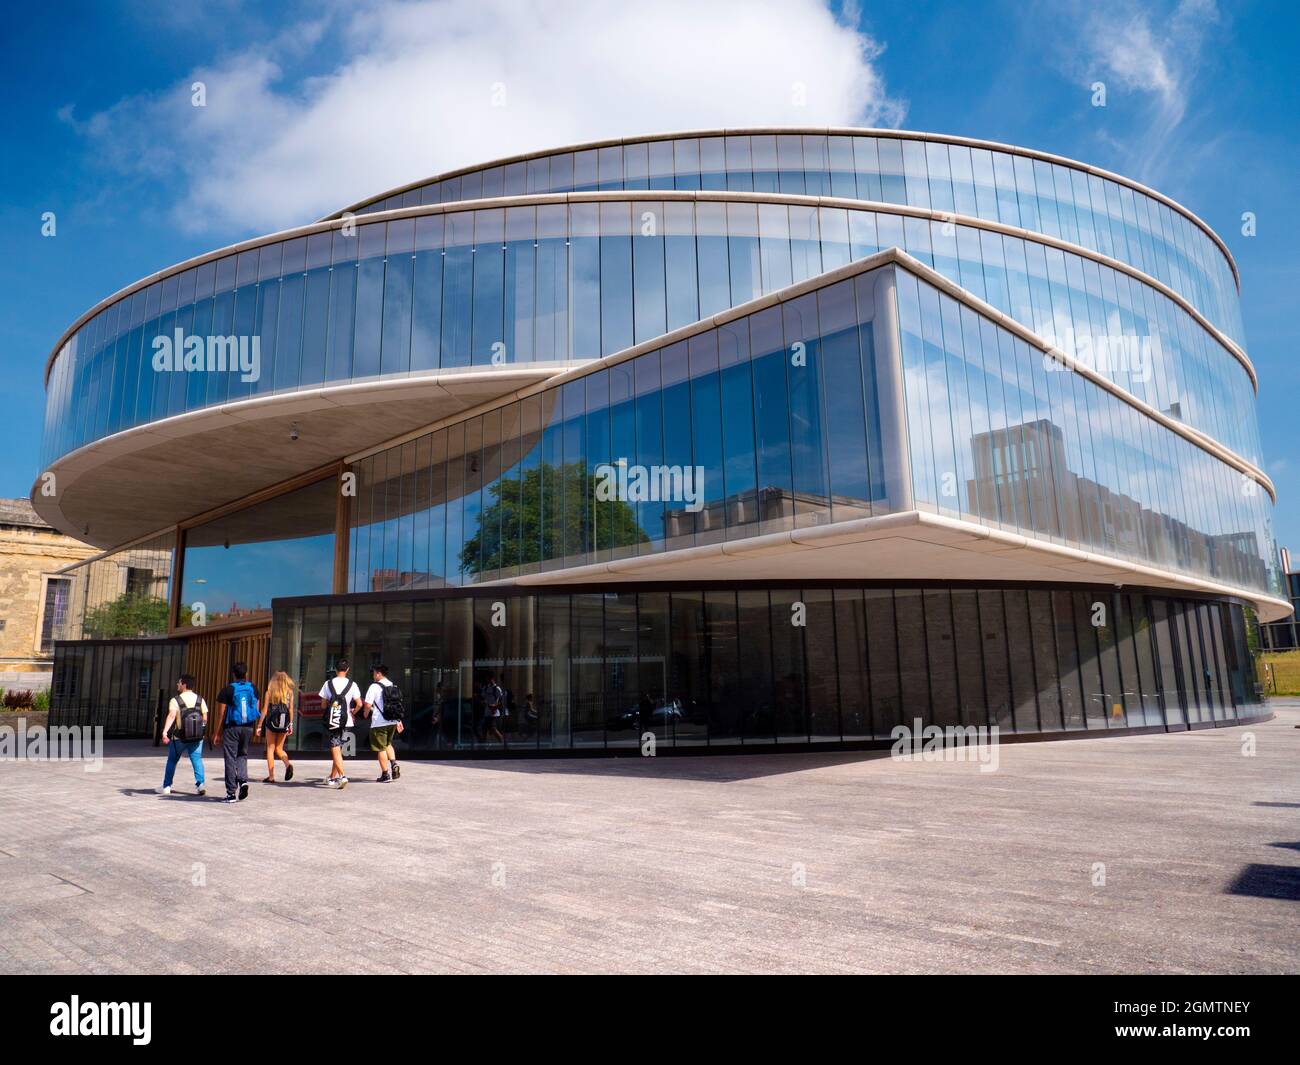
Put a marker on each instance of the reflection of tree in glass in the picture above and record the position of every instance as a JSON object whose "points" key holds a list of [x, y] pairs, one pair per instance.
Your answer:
{"points": [[527, 523], [127, 615]]}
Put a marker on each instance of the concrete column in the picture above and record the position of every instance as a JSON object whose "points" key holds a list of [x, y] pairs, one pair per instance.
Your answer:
{"points": [[888, 353]]}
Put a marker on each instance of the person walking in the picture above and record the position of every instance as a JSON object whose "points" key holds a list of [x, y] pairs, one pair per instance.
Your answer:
{"points": [[493, 705], [385, 708], [339, 696], [530, 716], [276, 721], [435, 722], [237, 709], [183, 732]]}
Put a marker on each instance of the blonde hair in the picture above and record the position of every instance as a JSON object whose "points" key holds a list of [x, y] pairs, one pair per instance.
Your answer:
{"points": [[280, 689]]}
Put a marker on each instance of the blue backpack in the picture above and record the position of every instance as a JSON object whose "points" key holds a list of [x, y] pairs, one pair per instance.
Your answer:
{"points": [[244, 709]]}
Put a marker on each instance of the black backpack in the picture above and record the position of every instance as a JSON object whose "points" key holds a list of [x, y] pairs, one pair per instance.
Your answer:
{"points": [[394, 707], [191, 718], [335, 714], [277, 717]]}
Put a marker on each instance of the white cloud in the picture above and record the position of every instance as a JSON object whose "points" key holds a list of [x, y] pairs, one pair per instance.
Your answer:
{"points": [[1121, 47], [411, 95]]}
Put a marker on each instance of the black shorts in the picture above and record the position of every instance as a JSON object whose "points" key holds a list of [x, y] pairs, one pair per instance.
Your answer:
{"points": [[277, 731], [336, 737]]}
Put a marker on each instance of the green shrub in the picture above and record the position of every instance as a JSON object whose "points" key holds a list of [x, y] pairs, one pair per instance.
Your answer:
{"points": [[41, 701]]}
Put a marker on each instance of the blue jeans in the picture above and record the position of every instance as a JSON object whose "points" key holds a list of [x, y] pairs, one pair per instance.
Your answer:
{"points": [[174, 751]]}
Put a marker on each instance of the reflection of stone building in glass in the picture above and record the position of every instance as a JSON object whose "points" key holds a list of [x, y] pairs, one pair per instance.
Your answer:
{"points": [[118, 595], [1024, 470], [908, 504]]}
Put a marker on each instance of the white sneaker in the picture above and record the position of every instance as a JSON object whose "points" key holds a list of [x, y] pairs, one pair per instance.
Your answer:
{"points": [[201, 790], [163, 791]]}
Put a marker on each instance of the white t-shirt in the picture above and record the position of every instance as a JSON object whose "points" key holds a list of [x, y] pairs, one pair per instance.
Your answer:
{"points": [[178, 705], [375, 697], [350, 693]]}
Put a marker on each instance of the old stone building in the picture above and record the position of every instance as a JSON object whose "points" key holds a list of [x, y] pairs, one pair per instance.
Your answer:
{"points": [[33, 597]]}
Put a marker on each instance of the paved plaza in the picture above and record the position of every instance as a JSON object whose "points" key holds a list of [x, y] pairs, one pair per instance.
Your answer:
{"points": [[1161, 853]]}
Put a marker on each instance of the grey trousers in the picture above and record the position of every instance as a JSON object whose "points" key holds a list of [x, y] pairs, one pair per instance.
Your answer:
{"points": [[234, 746]]}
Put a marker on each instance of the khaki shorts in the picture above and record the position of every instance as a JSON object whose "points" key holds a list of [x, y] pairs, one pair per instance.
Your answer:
{"points": [[381, 737]]}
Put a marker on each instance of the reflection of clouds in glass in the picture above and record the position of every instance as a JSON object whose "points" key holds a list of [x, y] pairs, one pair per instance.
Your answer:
{"points": [[1058, 454], [250, 575]]}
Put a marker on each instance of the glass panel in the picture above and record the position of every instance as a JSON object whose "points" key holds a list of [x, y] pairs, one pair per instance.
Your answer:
{"points": [[650, 306], [1042, 633], [616, 332], [790, 704], [1024, 685], [584, 280], [681, 288], [457, 289], [997, 680], [370, 301], [944, 698], [970, 665], [771, 421], [398, 288], [488, 345], [758, 719], [851, 665], [235, 565], [913, 666]]}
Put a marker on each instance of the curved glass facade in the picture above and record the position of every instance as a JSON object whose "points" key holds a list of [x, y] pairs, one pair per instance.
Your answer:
{"points": [[1013, 188], [789, 420], [555, 282], [738, 365], [1001, 434], [722, 666]]}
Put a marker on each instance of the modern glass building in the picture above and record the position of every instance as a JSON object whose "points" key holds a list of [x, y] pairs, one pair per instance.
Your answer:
{"points": [[737, 437], [1284, 635]]}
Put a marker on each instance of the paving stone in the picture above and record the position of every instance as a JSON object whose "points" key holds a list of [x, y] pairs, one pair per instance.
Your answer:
{"points": [[739, 863]]}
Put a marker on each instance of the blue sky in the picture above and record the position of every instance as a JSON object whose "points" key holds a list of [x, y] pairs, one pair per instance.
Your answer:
{"points": [[311, 106]]}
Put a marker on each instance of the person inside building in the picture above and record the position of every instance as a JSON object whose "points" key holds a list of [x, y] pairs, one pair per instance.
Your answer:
{"points": [[494, 708]]}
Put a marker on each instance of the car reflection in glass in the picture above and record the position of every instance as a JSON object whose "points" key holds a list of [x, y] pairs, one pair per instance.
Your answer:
{"points": [[647, 714]]}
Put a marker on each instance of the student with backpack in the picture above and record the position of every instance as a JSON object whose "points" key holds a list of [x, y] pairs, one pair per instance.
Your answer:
{"points": [[277, 722], [338, 696], [387, 711], [237, 707], [183, 732]]}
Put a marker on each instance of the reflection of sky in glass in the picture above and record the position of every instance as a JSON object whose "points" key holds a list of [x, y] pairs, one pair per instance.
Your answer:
{"points": [[251, 575], [739, 252], [959, 379]]}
